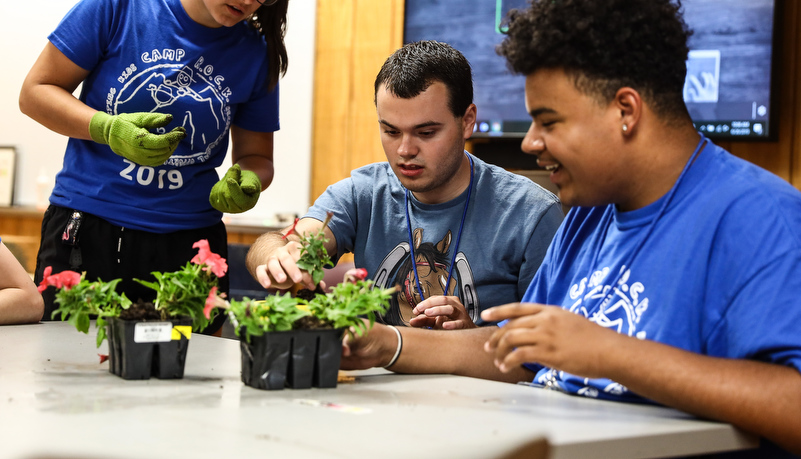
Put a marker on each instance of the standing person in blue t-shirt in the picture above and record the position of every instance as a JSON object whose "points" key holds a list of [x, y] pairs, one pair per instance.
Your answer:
{"points": [[164, 83], [476, 232], [675, 276]]}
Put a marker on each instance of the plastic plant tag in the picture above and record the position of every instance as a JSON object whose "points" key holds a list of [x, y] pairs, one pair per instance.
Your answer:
{"points": [[180, 331], [153, 332]]}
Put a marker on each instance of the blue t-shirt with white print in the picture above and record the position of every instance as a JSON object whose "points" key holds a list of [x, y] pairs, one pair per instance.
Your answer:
{"points": [[718, 275], [150, 56]]}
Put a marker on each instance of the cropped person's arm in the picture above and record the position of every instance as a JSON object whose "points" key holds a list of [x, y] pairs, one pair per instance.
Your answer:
{"points": [[46, 94], [272, 259], [253, 151], [457, 352], [762, 398], [20, 302], [759, 397]]}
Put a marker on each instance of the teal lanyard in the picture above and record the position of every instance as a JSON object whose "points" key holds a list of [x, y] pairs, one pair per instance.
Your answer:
{"points": [[630, 260]]}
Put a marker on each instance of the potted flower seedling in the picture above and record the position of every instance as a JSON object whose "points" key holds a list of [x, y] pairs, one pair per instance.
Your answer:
{"points": [[185, 293], [343, 310], [79, 300], [297, 341], [145, 339], [267, 330], [290, 341]]}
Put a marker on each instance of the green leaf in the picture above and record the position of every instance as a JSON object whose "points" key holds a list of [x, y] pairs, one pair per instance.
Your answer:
{"points": [[274, 313], [348, 303], [314, 257], [85, 299], [82, 323]]}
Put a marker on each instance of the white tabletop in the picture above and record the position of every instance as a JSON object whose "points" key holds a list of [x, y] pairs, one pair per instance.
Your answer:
{"points": [[57, 400]]}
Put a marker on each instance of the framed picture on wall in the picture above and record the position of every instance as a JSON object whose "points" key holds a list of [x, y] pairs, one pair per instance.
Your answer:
{"points": [[8, 159]]}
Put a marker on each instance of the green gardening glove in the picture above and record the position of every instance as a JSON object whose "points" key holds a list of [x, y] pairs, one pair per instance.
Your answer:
{"points": [[238, 191], [128, 135]]}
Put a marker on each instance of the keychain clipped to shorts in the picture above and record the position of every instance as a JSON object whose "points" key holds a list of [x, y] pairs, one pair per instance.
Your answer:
{"points": [[70, 237]]}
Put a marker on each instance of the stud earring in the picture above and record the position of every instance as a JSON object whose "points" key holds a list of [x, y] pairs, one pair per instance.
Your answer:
{"points": [[625, 127]]}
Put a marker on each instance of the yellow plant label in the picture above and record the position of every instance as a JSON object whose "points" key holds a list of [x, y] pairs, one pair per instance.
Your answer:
{"points": [[178, 330]]}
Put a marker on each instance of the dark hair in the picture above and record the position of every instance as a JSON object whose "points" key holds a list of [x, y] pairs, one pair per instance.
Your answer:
{"points": [[270, 21], [605, 45], [413, 68]]}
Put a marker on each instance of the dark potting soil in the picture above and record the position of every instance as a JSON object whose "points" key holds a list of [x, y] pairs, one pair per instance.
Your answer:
{"points": [[310, 322], [308, 295], [141, 310]]}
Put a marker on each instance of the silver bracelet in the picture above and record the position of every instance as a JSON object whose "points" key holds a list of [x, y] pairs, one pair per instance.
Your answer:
{"points": [[398, 350]]}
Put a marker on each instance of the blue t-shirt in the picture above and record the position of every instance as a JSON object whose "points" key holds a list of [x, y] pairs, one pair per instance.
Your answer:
{"points": [[719, 273], [150, 56], [509, 223]]}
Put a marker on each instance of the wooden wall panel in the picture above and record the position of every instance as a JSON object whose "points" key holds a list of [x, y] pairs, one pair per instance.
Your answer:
{"points": [[375, 40], [20, 230], [354, 37], [332, 82], [793, 41]]}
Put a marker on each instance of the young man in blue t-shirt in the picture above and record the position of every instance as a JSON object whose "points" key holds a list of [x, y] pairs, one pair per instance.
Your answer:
{"points": [[675, 276]]}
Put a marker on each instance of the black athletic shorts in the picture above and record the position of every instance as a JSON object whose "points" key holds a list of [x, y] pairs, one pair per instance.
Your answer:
{"points": [[108, 252]]}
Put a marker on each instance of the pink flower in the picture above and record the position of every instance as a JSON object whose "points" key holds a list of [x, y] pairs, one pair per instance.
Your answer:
{"points": [[210, 302], [203, 251], [64, 279], [214, 301], [214, 263]]}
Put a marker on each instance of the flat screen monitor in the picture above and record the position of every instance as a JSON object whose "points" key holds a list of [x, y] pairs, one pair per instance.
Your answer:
{"points": [[729, 88]]}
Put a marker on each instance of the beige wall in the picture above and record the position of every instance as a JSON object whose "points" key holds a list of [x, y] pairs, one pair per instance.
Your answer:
{"points": [[355, 36]]}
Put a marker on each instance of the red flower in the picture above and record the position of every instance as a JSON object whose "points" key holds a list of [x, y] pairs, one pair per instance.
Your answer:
{"points": [[64, 279], [352, 275], [291, 230], [103, 357], [214, 263]]}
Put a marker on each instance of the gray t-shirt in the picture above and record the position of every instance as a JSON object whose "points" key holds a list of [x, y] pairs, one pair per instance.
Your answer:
{"points": [[509, 224]]}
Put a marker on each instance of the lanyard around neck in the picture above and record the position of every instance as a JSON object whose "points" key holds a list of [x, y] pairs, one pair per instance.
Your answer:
{"points": [[458, 236], [662, 209]]}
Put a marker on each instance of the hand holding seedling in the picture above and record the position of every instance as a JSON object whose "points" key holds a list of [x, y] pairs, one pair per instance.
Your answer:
{"points": [[297, 257]]}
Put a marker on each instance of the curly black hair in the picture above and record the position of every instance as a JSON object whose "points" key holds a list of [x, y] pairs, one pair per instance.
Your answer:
{"points": [[413, 68], [270, 21], [605, 45]]}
